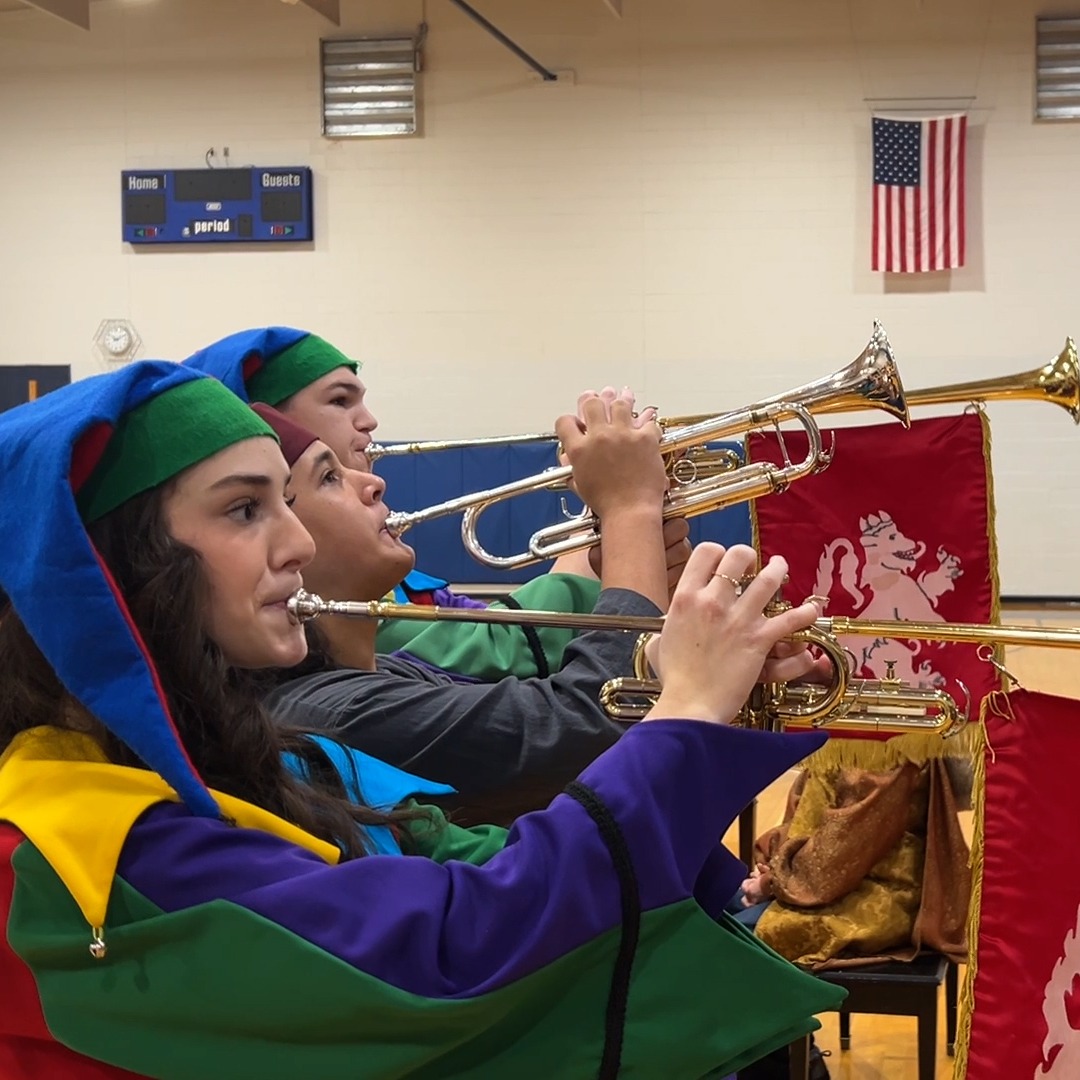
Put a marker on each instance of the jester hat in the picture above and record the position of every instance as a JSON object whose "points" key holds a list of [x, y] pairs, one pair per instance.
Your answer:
{"points": [[294, 437], [71, 457], [269, 365]]}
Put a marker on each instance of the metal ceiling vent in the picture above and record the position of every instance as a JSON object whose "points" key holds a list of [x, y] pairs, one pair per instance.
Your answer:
{"points": [[369, 86], [1057, 69]]}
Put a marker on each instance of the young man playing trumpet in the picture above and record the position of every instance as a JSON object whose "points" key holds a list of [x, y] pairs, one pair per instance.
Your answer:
{"points": [[316, 385]]}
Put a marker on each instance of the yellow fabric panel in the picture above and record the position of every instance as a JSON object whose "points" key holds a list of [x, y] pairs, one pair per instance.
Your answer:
{"points": [[77, 809]]}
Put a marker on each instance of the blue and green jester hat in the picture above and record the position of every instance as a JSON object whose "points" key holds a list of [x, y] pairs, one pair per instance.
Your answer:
{"points": [[67, 460], [267, 366], [271, 364]]}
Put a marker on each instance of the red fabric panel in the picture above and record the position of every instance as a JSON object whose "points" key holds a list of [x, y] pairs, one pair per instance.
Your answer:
{"points": [[896, 527], [1025, 1023], [27, 1049], [87, 453]]}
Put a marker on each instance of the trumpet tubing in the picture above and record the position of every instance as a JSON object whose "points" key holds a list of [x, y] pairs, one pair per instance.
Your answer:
{"points": [[847, 703], [305, 606], [874, 705], [684, 500], [381, 450], [1054, 637]]}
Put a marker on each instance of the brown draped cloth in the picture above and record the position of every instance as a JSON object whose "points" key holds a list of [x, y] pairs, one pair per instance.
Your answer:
{"points": [[868, 866]]}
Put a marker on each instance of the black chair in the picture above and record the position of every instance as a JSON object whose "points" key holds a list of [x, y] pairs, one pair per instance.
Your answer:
{"points": [[898, 989]]}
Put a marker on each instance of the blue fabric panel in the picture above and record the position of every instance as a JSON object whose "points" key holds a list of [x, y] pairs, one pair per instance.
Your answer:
{"points": [[418, 480]]}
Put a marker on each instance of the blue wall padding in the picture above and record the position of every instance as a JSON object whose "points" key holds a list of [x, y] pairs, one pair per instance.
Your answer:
{"points": [[420, 480]]}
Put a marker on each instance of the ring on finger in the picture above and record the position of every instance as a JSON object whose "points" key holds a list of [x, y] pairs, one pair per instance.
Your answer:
{"points": [[736, 583]]}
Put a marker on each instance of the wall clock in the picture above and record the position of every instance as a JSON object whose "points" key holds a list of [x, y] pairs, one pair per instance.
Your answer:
{"points": [[117, 341]]}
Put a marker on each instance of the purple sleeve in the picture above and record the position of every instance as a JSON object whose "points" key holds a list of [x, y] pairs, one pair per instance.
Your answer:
{"points": [[719, 880], [449, 598], [457, 930]]}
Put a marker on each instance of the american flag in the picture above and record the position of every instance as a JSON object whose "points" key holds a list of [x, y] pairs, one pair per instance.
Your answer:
{"points": [[918, 194]]}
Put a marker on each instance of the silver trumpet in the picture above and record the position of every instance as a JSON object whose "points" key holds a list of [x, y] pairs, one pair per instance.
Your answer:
{"points": [[870, 381]]}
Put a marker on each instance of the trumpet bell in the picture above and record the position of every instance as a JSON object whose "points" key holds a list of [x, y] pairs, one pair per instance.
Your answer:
{"points": [[870, 381], [1056, 382]]}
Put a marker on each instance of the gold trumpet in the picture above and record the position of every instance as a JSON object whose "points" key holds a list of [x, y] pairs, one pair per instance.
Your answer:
{"points": [[847, 703], [869, 381], [1056, 382]]}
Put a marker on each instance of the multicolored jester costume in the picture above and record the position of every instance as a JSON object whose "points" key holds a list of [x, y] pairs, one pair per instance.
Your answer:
{"points": [[154, 927]]}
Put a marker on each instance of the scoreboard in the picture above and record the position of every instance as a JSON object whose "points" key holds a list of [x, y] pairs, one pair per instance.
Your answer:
{"points": [[216, 206]]}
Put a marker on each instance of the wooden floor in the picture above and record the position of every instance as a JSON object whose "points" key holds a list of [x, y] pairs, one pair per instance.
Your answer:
{"points": [[884, 1047]]}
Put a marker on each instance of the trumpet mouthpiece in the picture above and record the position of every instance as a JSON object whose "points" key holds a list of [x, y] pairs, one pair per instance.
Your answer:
{"points": [[397, 523], [303, 606]]}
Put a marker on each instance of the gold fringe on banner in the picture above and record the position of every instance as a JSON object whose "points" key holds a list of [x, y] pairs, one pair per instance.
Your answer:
{"points": [[991, 536], [979, 750], [873, 755], [966, 1003]]}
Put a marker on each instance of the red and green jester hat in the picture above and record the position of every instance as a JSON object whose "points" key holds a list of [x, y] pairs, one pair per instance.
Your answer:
{"points": [[153, 927]]}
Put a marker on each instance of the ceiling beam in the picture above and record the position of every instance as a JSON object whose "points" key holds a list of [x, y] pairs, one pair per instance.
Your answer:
{"points": [[329, 9], [76, 12]]}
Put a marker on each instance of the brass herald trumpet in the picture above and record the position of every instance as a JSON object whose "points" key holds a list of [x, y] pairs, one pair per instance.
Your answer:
{"points": [[883, 705], [1057, 382], [869, 381]]}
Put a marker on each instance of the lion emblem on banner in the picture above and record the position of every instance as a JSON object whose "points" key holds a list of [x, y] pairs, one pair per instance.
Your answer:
{"points": [[885, 586], [1061, 1010]]}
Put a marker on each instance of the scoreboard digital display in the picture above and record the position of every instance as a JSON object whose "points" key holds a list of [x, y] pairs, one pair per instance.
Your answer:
{"points": [[216, 206]]}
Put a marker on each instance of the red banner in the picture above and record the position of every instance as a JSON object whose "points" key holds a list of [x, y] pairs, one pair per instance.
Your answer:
{"points": [[899, 526], [1025, 1017]]}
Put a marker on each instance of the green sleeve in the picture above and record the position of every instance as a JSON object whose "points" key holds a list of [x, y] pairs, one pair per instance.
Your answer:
{"points": [[439, 840], [491, 652]]}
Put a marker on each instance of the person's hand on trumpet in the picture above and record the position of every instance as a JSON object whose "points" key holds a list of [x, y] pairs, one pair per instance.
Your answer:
{"points": [[718, 642], [614, 453], [676, 531]]}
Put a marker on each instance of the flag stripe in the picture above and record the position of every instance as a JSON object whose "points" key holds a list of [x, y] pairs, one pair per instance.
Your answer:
{"points": [[960, 189], [873, 230], [919, 230], [932, 203], [947, 191], [901, 229]]}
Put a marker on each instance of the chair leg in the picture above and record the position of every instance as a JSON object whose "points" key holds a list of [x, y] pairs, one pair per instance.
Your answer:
{"points": [[928, 1040], [799, 1058], [952, 993], [845, 1030], [747, 832]]}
